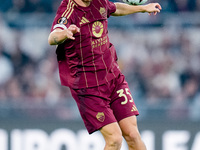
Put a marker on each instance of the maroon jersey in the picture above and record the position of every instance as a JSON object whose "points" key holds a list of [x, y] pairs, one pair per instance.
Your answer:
{"points": [[90, 60]]}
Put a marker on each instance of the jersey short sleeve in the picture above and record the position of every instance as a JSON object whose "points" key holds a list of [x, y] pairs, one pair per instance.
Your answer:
{"points": [[111, 8], [60, 20]]}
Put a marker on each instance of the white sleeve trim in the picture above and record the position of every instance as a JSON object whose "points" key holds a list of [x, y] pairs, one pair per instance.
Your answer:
{"points": [[60, 26]]}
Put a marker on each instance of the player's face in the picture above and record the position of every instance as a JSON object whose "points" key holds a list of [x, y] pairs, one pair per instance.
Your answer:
{"points": [[83, 3]]}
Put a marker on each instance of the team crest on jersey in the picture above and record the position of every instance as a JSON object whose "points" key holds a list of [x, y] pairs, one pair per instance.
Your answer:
{"points": [[102, 11], [97, 29], [100, 116], [62, 20]]}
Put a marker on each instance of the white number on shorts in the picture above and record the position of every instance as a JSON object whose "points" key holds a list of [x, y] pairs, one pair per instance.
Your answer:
{"points": [[121, 94], [127, 92]]}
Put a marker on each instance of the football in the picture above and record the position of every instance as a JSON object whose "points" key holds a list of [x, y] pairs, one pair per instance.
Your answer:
{"points": [[135, 2]]}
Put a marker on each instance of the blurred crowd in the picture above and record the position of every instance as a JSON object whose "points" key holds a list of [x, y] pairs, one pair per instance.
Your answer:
{"points": [[24, 6], [162, 65], [29, 74]]}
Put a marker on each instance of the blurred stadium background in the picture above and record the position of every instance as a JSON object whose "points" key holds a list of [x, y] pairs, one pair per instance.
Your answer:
{"points": [[159, 55]]}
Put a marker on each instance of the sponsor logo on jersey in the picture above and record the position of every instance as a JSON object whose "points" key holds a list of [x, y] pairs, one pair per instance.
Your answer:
{"points": [[97, 29], [83, 21]]}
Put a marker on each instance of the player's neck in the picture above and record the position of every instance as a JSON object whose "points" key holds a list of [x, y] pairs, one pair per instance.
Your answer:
{"points": [[83, 3]]}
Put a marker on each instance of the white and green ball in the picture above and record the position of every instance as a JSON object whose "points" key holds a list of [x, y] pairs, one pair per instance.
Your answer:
{"points": [[135, 2]]}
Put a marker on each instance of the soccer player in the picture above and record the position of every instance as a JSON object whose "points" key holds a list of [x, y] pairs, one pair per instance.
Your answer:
{"points": [[88, 66]]}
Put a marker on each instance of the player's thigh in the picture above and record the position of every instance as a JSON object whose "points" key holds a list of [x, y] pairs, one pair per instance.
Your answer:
{"points": [[111, 132], [122, 103], [94, 107], [129, 127]]}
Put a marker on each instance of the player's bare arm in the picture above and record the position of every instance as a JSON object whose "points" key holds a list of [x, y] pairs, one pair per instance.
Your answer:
{"points": [[123, 9], [58, 35]]}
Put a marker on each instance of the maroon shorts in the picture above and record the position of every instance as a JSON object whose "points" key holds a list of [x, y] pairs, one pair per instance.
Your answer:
{"points": [[105, 104]]}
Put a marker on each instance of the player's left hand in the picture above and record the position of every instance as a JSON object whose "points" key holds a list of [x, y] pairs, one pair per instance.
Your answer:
{"points": [[153, 8]]}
